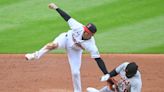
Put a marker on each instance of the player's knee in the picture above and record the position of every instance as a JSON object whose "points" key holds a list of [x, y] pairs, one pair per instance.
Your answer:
{"points": [[51, 46]]}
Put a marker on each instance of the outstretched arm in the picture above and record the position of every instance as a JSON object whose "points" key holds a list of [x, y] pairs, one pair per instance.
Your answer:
{"points": [[65, 16], [73, 24], [109, 75], [101, 65]]}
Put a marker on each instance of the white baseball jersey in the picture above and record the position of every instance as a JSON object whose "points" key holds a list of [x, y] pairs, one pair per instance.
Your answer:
{"points": [[74, 37], [135, 81]]}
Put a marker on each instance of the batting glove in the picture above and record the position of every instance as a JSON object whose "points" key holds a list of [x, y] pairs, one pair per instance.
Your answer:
{"points": [[105, 77]]}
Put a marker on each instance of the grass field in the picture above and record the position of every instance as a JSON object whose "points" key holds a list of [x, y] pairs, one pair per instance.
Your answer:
{"points": [[124, 26]]}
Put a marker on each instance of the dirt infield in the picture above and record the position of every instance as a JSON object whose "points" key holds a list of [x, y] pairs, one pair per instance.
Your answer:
{"points": [[52, 72]]}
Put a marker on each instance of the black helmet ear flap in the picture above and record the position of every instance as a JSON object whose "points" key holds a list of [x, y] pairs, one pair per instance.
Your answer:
{"points": [[131, 69]]}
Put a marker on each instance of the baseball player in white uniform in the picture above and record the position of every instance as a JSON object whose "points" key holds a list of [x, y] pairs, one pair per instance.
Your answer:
{"points": [[130, 79], [77, 39]]}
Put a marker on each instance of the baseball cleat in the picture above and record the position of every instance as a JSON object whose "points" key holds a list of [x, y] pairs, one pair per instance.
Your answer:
{"points": [[31, 56], [90, 89]]}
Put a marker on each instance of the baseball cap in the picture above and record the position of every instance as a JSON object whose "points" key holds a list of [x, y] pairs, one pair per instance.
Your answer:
{"points": [[131, 69], [90, 28]]}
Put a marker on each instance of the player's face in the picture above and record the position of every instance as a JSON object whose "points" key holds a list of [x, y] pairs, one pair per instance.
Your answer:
{"points": [[87, 36]]}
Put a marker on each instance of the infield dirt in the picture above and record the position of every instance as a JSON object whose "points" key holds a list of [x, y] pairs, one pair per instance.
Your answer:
{"points": [[52, 72]]}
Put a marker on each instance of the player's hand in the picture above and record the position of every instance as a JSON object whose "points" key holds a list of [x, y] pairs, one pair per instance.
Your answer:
{"points": [[105, 77], [52, 6]]}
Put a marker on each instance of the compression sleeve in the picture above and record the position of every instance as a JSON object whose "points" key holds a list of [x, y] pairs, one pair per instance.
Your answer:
{"points": [[101, 65], [63, 14], [113, 73]]}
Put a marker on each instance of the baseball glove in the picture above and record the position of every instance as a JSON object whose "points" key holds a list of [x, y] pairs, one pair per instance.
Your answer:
{"points": [[112, 84], [123, 85], [119, 86]]}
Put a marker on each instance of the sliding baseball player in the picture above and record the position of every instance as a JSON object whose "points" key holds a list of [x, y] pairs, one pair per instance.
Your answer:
{"points": [[130, 79]]}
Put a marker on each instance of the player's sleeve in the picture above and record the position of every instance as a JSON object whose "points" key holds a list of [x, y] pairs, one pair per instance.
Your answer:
{"points": [[95, 54], [63, 14], [101, 65], [121, 67], [74, 24], [91, 47]]}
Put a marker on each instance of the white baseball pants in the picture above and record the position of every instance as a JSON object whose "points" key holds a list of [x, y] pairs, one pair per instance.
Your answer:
{"points": [[74, 57]]}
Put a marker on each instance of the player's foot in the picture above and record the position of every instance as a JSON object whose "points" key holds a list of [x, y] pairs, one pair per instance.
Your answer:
{"points": [[90, 89], [31, 56]]}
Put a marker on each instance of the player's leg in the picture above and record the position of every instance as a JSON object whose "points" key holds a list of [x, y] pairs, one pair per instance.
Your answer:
{"points": [[74, 57], [59, 42], [105, 89], [42, 51]]}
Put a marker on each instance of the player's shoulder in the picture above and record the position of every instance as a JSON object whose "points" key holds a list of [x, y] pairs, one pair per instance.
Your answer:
{"points": [[72, 21], [75, 25], [122, 67], [124, 64]]}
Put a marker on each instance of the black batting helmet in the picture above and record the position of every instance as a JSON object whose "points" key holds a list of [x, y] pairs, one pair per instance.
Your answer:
{"points": [[131, 69]]}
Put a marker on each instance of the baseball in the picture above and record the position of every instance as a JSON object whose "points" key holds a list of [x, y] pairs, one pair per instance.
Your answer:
{"points": [[113, 86]]}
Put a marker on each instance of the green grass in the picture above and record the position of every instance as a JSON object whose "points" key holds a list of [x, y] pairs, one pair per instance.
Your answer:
{"points": [[124, 26]]}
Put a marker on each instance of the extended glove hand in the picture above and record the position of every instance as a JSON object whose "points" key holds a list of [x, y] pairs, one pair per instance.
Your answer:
{"points": [[105, 77]]}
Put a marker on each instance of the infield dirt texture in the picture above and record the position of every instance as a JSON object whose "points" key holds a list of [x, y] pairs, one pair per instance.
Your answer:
{"points": [[52, 72]]}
